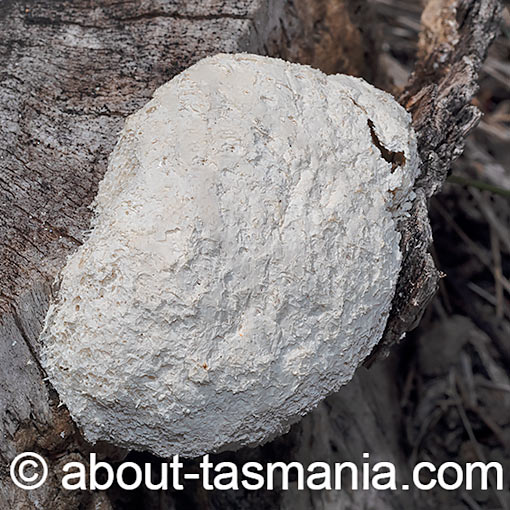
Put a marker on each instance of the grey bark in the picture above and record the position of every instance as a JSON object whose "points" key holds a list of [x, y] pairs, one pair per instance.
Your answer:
{"points": [[72, 71], [453, 44]]}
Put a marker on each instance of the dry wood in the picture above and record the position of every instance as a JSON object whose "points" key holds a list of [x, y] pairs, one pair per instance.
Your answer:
{"points": [[453, 44], [72, 71]]}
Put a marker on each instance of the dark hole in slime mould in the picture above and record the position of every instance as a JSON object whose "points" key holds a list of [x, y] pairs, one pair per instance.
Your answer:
{"points": [[395, 158]]}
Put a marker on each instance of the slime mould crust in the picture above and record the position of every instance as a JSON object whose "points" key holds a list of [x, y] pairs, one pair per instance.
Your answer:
{"points": [[243, 257]]}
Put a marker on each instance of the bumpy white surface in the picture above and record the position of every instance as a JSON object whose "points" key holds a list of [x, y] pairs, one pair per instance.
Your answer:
{"points": [[243, 258]]}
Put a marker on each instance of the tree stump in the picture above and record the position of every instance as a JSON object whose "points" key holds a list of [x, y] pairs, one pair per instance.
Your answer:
{"points": [[72, 71]]}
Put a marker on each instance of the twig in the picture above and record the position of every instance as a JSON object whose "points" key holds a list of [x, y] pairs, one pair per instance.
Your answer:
{"points": [[470, 502], [485, 295], [426, 425], [471, 401], [477, 250], [454, 380], [464, 181], [408, 386], [470, 396], [492, 219], [493, 386], [498, 271]]}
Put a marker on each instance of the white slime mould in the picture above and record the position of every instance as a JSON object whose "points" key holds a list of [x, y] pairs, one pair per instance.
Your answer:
{"points": [[243, 257]]}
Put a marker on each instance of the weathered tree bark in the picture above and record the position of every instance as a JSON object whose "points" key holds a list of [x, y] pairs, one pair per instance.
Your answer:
{"points": [[72, 71], [453, 44]]}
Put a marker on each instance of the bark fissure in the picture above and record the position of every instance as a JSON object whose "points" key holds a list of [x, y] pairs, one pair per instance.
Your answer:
{"points": [[53, 22]]}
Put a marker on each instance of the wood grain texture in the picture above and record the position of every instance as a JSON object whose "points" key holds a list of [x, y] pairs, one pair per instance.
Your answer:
{"points": [[72, 71]]}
